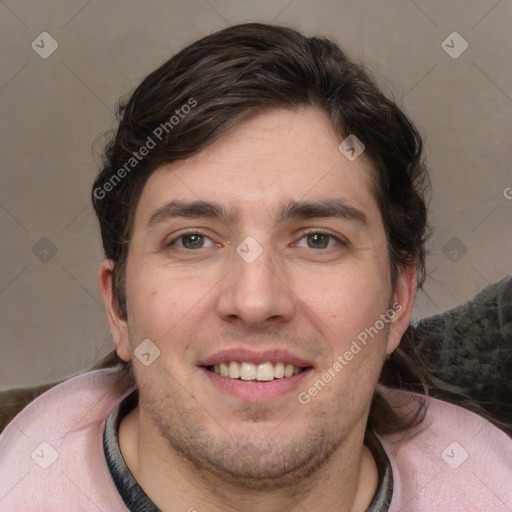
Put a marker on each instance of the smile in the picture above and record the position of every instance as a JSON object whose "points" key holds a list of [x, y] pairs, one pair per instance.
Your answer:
{"points": [[262, 372]]}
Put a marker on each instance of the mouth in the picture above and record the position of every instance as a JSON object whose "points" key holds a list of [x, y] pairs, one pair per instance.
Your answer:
{"points": [[255, 376], [262, 372]]}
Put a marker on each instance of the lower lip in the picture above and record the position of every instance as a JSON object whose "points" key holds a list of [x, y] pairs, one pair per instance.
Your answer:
{"points": [[257, 391]]}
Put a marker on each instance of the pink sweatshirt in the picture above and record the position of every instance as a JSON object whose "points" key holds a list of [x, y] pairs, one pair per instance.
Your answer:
{"points": [[52, 459]]}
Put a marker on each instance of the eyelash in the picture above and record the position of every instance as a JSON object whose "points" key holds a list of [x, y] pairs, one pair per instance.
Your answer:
{"points": [[186, 233], [314, 231], [311, 231]]}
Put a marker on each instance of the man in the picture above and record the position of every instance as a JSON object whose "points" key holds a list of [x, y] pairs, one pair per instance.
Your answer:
{"points": [[263, 217]]}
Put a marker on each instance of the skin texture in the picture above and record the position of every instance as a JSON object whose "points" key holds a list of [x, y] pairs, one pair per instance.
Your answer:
{"points": [[190, 444]]}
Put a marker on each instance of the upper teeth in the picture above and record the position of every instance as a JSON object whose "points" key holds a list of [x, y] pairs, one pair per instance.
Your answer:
{"points": [[251, 371]]}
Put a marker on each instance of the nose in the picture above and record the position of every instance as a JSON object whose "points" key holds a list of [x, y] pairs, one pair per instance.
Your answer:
{"points": [[256, 294]]}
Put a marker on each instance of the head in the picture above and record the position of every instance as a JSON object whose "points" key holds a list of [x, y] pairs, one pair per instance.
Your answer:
{"points": [[237, 136]]}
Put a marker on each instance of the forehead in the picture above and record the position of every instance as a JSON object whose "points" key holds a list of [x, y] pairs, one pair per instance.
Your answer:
{"points": [[263, 162]]}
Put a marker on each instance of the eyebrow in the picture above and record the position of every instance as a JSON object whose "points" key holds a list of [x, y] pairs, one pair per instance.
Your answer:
{"points": [[191, 210], [291, 210], [338, 208]]}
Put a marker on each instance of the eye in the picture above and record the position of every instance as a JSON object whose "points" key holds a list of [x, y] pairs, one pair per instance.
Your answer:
{"points": [[319, 240], [191, 241]]}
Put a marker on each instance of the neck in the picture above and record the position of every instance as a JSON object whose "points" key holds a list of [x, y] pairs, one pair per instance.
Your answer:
{"points": [[346, 482]]}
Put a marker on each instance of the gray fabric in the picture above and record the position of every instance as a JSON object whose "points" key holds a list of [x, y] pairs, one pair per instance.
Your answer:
{"points": [[469, 350], [382, 498], [132, 494]]}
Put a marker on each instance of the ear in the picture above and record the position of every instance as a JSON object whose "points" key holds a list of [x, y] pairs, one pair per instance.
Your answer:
{"points": [[402, 306], [118, 325]]}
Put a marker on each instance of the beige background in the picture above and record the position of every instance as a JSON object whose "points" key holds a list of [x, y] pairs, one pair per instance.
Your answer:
{"points": [[52, 322]]}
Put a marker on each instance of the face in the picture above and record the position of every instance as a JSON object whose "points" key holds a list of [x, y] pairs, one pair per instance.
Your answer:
{"points": [[261, 255]]}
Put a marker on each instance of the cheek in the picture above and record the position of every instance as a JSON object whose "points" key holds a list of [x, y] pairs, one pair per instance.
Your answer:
{"points": [[344, 303], [164, 307]]}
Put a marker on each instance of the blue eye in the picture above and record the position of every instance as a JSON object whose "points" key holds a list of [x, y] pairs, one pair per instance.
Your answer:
{"points": [[191, 241], [313, 240], [319, 240]]}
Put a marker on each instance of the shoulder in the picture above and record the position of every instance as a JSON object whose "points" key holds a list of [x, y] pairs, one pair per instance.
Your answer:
{"points": [[51, 453], [455, 460]]}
